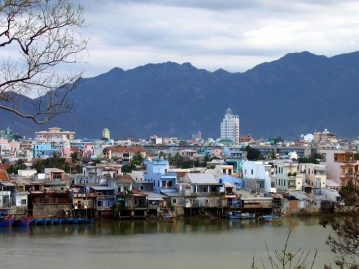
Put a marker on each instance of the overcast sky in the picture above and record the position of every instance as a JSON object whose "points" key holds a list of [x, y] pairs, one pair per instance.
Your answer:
{"points": [[234, 35]]}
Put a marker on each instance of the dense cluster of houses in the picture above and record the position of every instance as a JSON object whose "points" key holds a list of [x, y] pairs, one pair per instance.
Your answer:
{"points": [[228, 182]]}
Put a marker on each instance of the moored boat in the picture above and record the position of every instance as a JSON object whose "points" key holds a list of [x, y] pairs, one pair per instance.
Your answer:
{"points": [[167, 217], [64, 220], [81, 220], [6, 221], [240, 215], [40, 221], [22, 222], [271, 218], [56, 221], [72, 220]]}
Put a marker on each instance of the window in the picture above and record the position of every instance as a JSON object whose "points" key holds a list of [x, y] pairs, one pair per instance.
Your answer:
{"points": [[251, 171], [174, 200], [23, 202], [170, 184]]}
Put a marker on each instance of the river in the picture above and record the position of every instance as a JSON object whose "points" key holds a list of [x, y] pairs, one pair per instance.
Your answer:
{"points": [[187, 243]]}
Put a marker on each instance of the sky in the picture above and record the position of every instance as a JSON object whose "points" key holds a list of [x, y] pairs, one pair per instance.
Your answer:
{"points": [[234, 35]]}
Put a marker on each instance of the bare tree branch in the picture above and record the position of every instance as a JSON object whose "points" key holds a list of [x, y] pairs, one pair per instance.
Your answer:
{"points": [[44, 35]]}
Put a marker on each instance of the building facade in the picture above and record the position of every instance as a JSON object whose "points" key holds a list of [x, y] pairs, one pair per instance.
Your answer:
{"points": [[230, 127], [54, 133], [106, 133]]}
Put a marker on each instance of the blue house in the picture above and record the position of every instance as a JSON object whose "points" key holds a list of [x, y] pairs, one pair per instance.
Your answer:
{"points": [[157, 173], [43, 149]]}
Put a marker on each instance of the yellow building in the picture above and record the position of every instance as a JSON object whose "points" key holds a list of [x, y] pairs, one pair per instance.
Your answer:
{"points": [[106, 133], [54, 133]]}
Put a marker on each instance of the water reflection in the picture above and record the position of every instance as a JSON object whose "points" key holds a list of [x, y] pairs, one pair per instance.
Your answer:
{"points": [[186, 243], [128, 227]]}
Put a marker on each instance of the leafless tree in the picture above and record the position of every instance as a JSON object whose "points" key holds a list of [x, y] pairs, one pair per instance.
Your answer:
{"points": [[37, 37], [344, 238], [283, 259]]}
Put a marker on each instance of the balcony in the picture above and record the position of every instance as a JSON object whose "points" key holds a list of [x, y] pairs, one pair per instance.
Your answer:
{"points": [[51, 201], [103, 208], [253, 203], [85, 195], [106, 196]]}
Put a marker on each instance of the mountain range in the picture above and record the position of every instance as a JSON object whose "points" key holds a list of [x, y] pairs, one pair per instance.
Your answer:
{"points": [[296, 94]]}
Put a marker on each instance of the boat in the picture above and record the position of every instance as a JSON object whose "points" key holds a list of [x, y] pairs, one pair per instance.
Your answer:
{"points": [[22, 222], [56, 221], [72, 220], [240, 215], [6, 221], [81, 220], [40, 221], [90, 220], [64, 220], [43, 221], [168, 217], [271, 218]]}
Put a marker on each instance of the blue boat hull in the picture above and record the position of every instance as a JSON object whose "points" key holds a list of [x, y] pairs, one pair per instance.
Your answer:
{"points": [[25, 222], [7, 221], [56, 221], [72, 220]]}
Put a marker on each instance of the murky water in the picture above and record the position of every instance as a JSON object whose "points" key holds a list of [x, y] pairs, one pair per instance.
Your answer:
{"points": [[187, 243]]}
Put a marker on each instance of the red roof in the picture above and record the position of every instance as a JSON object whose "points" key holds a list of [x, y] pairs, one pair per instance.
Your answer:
{"points": [[3, 175], [124, 149], [5, 166]]}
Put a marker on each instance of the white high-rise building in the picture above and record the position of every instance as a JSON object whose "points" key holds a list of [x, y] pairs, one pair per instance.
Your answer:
{"points": [[230, 127]]}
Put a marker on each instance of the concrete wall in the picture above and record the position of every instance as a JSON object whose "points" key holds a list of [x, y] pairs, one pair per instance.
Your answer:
{"points": [[49, 210]]}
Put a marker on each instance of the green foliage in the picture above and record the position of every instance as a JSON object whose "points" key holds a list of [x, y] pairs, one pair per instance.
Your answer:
{"points": [[127, 168], [273, 155], [170, 206], [18, 165], [75, 156], [350, 194], [138, 158], [115, 209], [253, 154], [16, 137], [187, 164], [183, 143], [56, 161], [312, 159], [176, 160], [275, 140]]}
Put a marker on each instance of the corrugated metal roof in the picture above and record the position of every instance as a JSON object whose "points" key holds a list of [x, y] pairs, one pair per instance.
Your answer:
{"points": [[174, 194], [202, 178], [8, 184], [102, 188], [154, 196]]}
